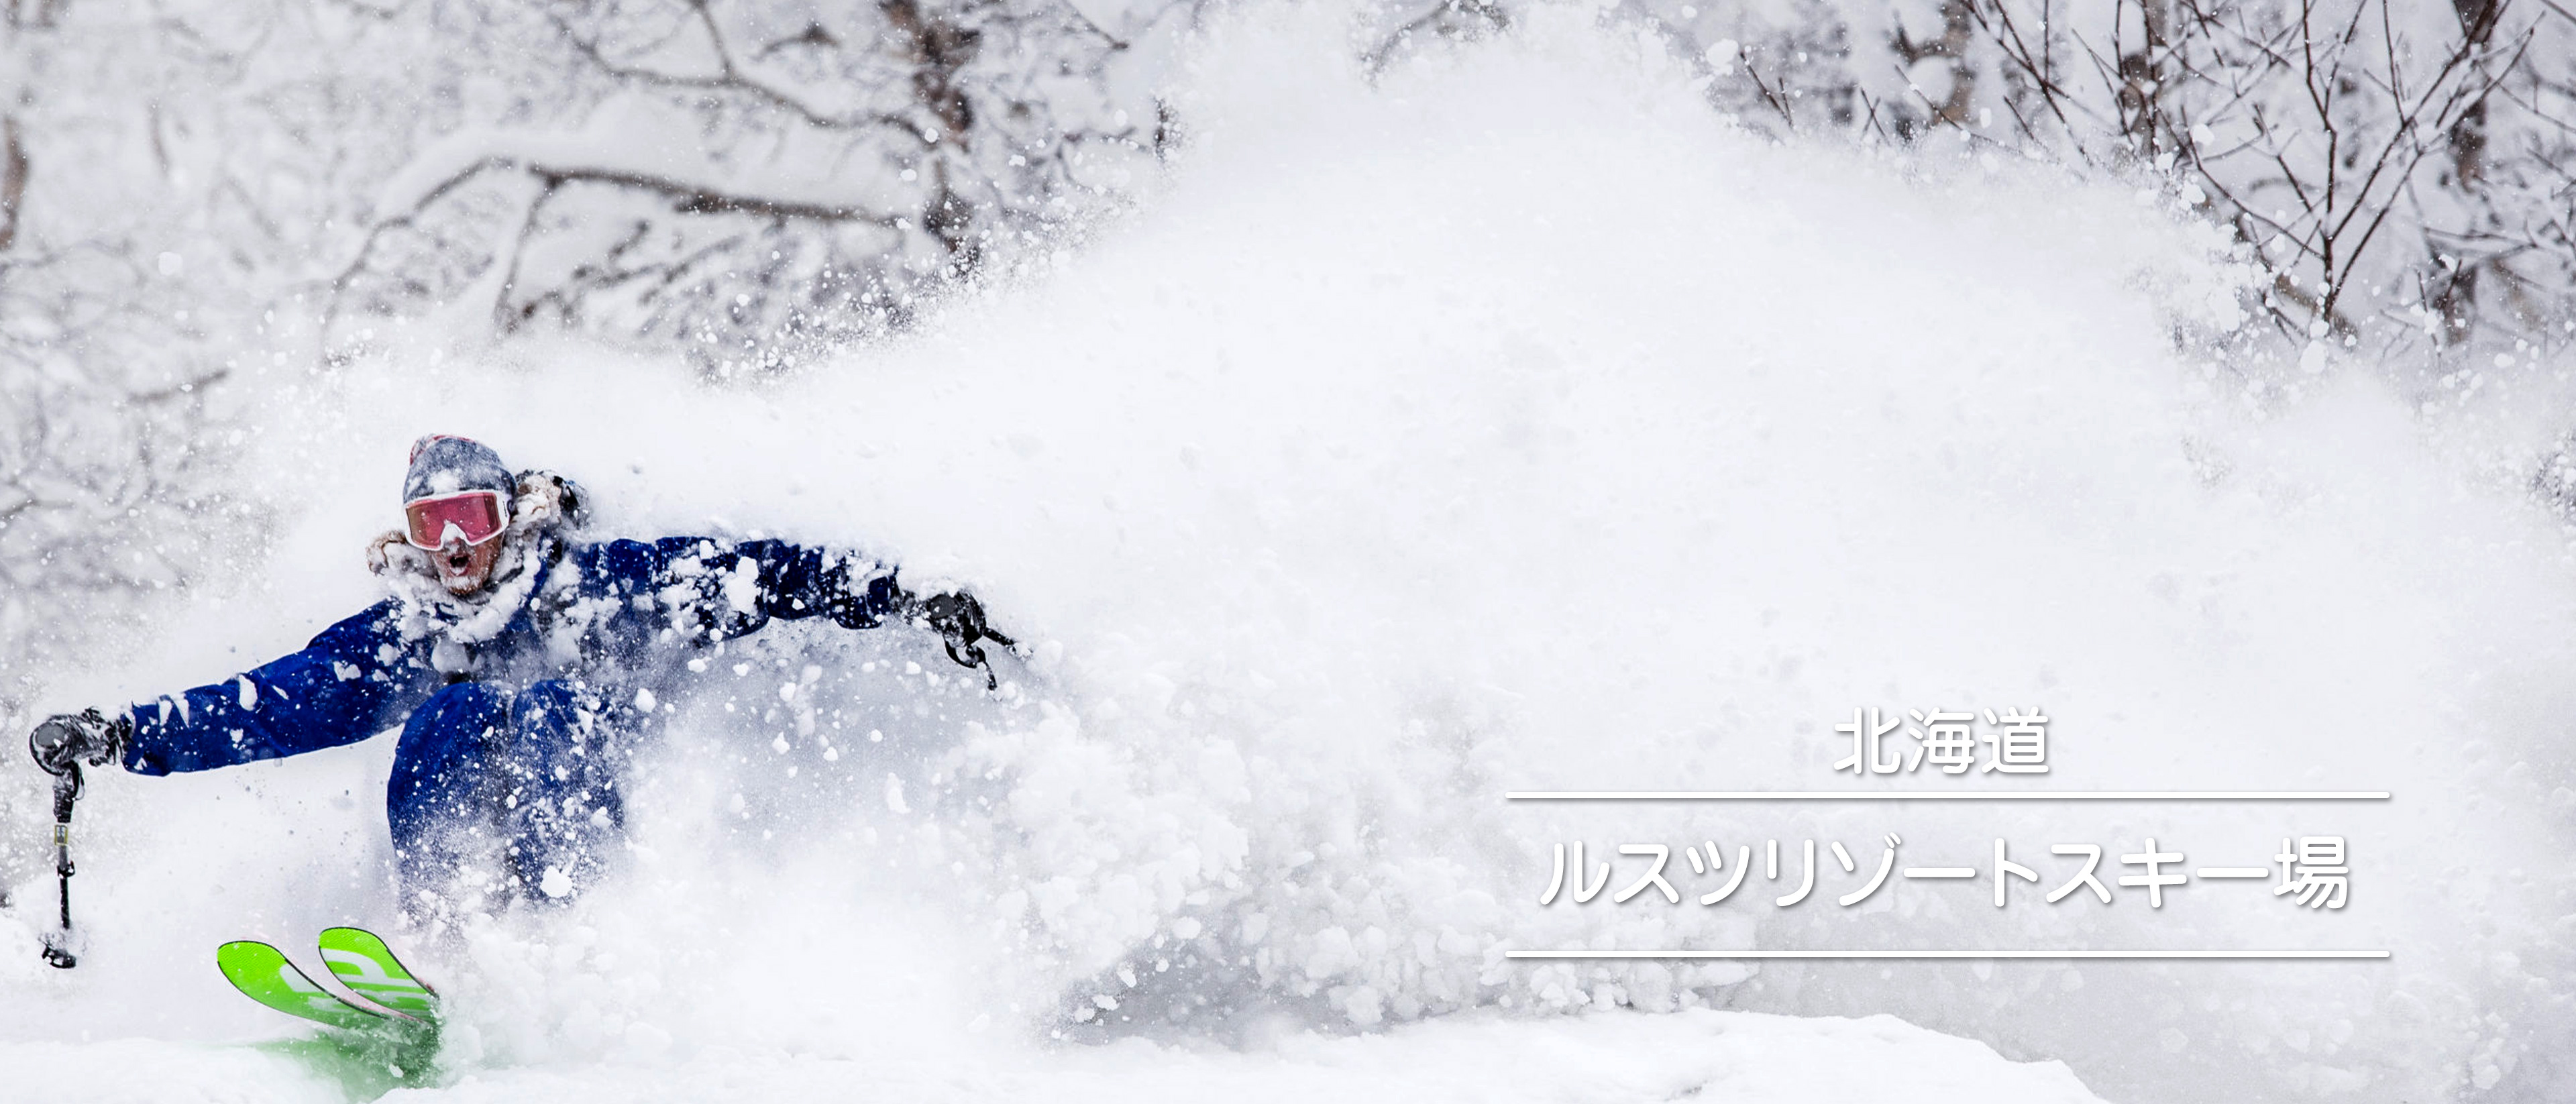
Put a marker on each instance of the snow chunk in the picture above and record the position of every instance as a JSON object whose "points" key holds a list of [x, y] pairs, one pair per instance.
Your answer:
{"points": [[1722, 55], [1364, 1005]]}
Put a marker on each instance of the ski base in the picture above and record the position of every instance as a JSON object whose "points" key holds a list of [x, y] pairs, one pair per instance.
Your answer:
{"points": [[389, 1045], [264, 974], [361, 961]]}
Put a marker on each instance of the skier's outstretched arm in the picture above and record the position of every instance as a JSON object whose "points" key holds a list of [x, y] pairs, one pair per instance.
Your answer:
{"points": [[734, 589], [802, 582], [342, 688]]}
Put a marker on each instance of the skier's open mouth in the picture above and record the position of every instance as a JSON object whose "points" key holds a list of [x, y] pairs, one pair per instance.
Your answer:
{"points": [[457, 562]]}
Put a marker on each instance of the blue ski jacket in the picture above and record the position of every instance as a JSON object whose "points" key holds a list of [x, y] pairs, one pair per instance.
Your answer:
{"points": [[608, 614]]}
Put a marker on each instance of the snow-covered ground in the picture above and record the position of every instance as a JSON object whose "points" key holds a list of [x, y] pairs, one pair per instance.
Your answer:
{"points": [[1476, 1057], [1510, 423]]}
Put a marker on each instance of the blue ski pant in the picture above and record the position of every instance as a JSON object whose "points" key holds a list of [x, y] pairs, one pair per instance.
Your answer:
{"points": [[531, 774]]}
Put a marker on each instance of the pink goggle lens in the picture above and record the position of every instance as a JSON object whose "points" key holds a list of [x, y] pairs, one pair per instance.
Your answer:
{"points": [[474, 514]]}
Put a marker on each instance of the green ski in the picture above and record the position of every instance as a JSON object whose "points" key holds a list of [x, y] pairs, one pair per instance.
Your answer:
{"points": [[264, 974], [362, 962], [371, 1050]]}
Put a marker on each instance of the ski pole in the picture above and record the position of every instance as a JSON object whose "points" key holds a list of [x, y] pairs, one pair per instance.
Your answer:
{"points": [[67, 789]]}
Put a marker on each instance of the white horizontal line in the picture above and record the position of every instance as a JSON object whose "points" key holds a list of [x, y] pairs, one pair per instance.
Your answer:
{"points": [[1940, 872], [1950, 795], [2234, 872], [1945, 954]]}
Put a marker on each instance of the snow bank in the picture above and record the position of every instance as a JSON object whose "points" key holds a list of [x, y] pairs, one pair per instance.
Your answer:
{"points": [[1509, 424]]}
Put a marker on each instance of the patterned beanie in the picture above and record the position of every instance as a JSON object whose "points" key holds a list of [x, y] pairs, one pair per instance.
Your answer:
{"points": [[441, 464]]}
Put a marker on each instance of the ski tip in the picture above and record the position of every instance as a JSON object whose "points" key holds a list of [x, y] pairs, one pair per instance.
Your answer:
{"points": [[346, 936], [359, 959]]}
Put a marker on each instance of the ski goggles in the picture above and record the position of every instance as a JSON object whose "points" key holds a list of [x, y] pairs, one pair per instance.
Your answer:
{"points": [[475, 516]]}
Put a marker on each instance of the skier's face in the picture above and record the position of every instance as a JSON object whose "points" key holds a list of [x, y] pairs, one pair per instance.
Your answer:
{"points": [[464, 568]]}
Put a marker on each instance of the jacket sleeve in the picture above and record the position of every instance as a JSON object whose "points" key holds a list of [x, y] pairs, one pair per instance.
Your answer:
{"points": [[720, 591], [348, 684]]}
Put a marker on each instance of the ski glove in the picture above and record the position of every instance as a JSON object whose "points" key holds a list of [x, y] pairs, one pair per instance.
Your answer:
{"points": [[67, 739], [959, 621]]}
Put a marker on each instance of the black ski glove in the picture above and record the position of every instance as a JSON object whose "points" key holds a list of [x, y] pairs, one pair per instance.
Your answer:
{"points": [[65, 739], [959, 621]]}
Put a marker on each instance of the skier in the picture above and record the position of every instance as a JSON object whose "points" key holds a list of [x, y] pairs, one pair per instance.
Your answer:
{"points": [[520, 663]]}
